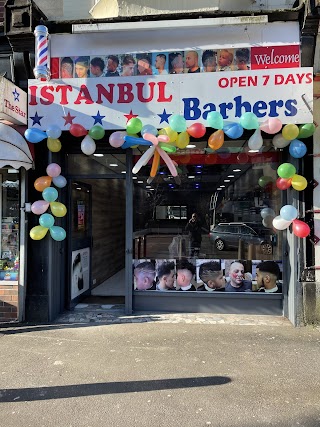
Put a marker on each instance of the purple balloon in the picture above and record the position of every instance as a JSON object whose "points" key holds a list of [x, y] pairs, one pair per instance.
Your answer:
{"points": [[116, 139]]}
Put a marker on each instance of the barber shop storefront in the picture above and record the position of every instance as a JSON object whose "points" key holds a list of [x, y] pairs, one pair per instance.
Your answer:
{"points": [[170, 168]]}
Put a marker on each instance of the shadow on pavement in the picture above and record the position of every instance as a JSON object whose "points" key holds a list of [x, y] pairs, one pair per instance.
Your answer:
{"points": [[79, 390]]}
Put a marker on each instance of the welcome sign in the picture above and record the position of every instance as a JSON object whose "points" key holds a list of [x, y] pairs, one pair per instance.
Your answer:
{"points": [[286, 94]]}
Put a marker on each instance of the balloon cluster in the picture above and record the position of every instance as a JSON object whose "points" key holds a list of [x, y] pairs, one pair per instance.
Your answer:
{"points": [[288, 215], [49, 195], [53, 133]]}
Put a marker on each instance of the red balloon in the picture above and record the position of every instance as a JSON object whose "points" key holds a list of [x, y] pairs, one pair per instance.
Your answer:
{"points": [[300, 228], [283, 183], [78, 130], [197, 130]]}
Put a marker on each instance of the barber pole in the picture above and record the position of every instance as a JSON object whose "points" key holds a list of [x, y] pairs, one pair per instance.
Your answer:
{"points": [[41, 70]]}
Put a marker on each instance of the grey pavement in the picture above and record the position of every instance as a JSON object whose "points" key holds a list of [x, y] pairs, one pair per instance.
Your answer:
{"points": [[150, 369]]}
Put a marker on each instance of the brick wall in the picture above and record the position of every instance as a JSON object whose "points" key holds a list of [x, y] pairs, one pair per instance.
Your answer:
{"points": [[2, 2], [8, 302]]}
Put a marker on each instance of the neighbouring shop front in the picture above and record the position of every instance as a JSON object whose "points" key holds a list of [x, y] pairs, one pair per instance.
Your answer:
{"points": [[133, 152]]}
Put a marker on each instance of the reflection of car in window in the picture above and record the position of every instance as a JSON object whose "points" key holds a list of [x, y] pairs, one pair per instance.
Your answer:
{"points": [[77, 272], [227, 235]]}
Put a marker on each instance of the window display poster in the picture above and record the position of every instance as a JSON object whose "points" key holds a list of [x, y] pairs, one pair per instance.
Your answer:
{"points": [[81, 214], [80, 272]]}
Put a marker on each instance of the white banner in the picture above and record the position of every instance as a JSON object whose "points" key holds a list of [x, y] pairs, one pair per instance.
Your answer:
{"points": [[286, 94]]}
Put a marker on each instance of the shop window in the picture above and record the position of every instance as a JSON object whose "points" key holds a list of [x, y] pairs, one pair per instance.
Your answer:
{"points": [[9, 262]]}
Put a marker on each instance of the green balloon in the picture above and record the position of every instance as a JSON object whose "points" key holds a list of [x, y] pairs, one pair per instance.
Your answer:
{"points": [[96, 132], [249, 121], [264, 180], [286, 170], [134, 125], [306, 130]]}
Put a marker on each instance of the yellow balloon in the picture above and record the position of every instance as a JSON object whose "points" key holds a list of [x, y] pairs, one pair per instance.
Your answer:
{"points": [[290, 132], [183, 140], [299, 182], [172, 134], [38, 232], [54, 145], [58, 209]]}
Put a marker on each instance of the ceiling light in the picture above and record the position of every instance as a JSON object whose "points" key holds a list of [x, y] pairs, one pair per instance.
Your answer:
{"points": [[199, 172], [113, 164], [218, 189], [236, 170], [191, 176], [148, 186], [98, 155], [226, 180], [191, 146], [78, 188], [230, 176], [151, 189], [123, 172], [134, 177], [253, 151], [222, 186], [140, 182], [198, 166]]}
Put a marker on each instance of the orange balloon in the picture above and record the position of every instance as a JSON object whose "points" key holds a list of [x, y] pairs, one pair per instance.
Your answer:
{"points": [[155, 164], [43, 182], [216, 140]]}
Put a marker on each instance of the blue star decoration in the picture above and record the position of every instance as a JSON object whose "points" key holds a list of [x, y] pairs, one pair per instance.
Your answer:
{"points": [[36, 119], [164, 116], [98, 118], [16, 95]]}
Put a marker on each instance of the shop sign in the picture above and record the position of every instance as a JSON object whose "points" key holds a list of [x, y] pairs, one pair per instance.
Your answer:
{"points": [[13, 103], [286, 94]]}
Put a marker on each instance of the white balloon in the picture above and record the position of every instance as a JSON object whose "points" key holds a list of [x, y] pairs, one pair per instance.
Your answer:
{"points": [[59, 181], [278, 141], [146, 156], [280, 223], [255, 141], [88, 146]]}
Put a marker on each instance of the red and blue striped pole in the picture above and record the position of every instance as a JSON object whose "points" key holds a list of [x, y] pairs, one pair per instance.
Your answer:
{"points": [[41, 70]]}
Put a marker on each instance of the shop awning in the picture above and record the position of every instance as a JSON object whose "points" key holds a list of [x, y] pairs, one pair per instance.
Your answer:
{"points": [[14, 150]]}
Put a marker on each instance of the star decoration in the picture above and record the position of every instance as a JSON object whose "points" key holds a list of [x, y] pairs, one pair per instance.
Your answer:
{"points": [[98, 118], [16, 95], [36, 119], [130, 116], [68, 119], [164, 116]]}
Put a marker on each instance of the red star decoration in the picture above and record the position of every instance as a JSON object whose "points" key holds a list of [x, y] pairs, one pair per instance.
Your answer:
{"points": [[68, 119], [130, 116]]}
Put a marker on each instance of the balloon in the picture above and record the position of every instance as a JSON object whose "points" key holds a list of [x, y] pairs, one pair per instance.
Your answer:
{"points": [[299, 182], [54, 145], [288, 212], [183, 140], [149, 129], [50, 194], [155, 164], [279, 223], [197, 130], [46, 220], [97, 132], [169, 148], [116, 139], [306, 130], [267, 221], [215, 120], [146, 156], [38, 232], [134, 125], [53, 132], [283, 184], [131, 141], [58, 209], [59, 181], [178, 123], [57, 233], [42, 182], [255, 141], [271, 126], [249, 121], [168, 161], [35, 135], [88, 146], [297, 148], [279, 142], [286, 170], [300, 228], [77, 130], [264, 180], [216, 140], [53, 170], [233, 130], [172, 134], [267, 212], [290, 131], [39, 207]]}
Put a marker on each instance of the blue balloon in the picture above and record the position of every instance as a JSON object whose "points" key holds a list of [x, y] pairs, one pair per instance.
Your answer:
{"points": [[249, 120], [178, 123], [35, 135], [215, 120], [59, 181], [57, 233], [233, 130], [297, 148], [288, 212], [50, 194], [149, 129], [46, 220], [132, 140], [53, 132]]}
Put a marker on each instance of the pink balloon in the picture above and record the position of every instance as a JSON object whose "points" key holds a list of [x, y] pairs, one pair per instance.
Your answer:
{"points": [[300, 228], [53, 170], [39, 207], [116, 139], [271, 126]]}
